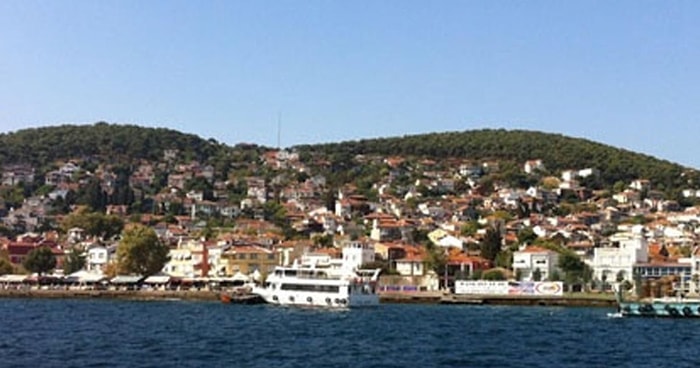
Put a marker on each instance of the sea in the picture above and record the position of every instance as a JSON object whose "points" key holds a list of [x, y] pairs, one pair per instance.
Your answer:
{"points": [[115, 333]]}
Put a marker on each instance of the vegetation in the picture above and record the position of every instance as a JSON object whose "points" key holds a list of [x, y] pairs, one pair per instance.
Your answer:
{"points": [[75, 261], [575, 270], [5, 267], [40, 260], [39, 146], [557, 152], [93, 223], [494, 274], [141, 252], [491, 245]]}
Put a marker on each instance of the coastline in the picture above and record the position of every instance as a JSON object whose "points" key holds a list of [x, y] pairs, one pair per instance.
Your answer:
{"points": [[194, 295], [569, 300]]}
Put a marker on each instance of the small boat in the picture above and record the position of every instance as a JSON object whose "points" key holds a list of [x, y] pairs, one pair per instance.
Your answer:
{"points": [[240, 295], [670, 307], [238, 298], [664, 307]]}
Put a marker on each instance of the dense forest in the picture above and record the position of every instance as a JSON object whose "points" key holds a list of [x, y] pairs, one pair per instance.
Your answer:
{"points": [[113, 143], [121, 145], [39, 146], [558, 153]]}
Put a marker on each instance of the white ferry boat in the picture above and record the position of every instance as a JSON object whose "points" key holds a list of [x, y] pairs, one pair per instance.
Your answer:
{"points": [[319, 281]]}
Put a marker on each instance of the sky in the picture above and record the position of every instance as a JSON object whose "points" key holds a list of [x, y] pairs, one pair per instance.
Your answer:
{"points": [[623, 73]]}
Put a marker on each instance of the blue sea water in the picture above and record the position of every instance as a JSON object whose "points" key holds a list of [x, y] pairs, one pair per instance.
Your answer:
{"points": [[111, 333]]}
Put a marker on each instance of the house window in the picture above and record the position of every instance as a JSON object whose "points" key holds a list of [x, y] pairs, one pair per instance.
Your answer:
{"points": [[253, 256]]}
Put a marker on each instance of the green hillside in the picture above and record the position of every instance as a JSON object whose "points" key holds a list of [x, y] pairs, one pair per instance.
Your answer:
{"points": [[127, 143], [39, 146], [558, 153]]}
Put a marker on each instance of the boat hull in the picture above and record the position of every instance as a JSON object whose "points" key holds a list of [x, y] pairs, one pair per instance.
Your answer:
{"points": [[660, 309], [323, 300]]}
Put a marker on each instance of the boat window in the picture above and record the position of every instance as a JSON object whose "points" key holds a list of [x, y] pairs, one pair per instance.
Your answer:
{"points": [[311, 288]]}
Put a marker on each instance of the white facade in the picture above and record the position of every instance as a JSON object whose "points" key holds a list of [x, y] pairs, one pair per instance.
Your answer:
{"points": [[410, 267], [357, 253], [610, 262], [185, 260], [528, 260], [97, 258]]}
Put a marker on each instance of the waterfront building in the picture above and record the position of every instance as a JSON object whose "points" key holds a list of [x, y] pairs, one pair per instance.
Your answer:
{"points": [[527, 261], [618, 259], [249, 258]]}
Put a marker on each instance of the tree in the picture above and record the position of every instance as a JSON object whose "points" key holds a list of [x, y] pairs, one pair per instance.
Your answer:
{"points": [[620, 276], [5, 267], [504, 259], [75, 261], [40, 260], [436, 260], [470, 228], [493, 274], [141, 252], [526, 235], [537, 275], [94, 223], [491, 245], [575, 270], [555, 276]]}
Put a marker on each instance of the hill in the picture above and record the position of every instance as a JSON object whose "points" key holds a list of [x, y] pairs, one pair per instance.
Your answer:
{"points": [[40, 146], [558, 153], [113, 143]]}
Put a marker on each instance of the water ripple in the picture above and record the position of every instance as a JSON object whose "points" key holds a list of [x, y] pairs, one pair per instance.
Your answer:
{"points": [[89, 333]]}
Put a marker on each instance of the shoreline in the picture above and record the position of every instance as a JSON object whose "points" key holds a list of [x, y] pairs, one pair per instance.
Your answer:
{"points": [[571, 300], [144, 295]]}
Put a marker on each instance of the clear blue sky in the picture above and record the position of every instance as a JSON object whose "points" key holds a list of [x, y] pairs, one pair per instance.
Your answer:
{"points": [[625, 73]]}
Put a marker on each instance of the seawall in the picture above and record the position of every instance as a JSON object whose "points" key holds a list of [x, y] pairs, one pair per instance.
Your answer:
{"points": [[568, 300], [202, 295]]}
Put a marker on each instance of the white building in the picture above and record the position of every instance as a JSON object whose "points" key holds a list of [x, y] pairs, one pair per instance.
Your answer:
{"points": [[97, 258], [411, 265], [627, 249], [529, 259], [186, 259], [442, 238], [357, 253]]}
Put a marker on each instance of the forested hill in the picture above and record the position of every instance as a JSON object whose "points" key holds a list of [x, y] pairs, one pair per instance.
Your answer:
{"points": [[39, 146], [558, 153], [126, 143]]}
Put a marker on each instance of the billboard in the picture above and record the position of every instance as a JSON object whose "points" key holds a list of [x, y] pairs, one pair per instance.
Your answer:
{"points": [[525, 288]]}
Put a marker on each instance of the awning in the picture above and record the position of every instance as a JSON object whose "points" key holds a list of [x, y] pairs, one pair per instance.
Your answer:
{"points": [[124, 279], [16, 279], [158, 279], [83, 276], [240, 277]]}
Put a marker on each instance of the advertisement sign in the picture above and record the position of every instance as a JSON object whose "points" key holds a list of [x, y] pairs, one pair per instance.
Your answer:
{"points": [[525, 288], [481, 287]]}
